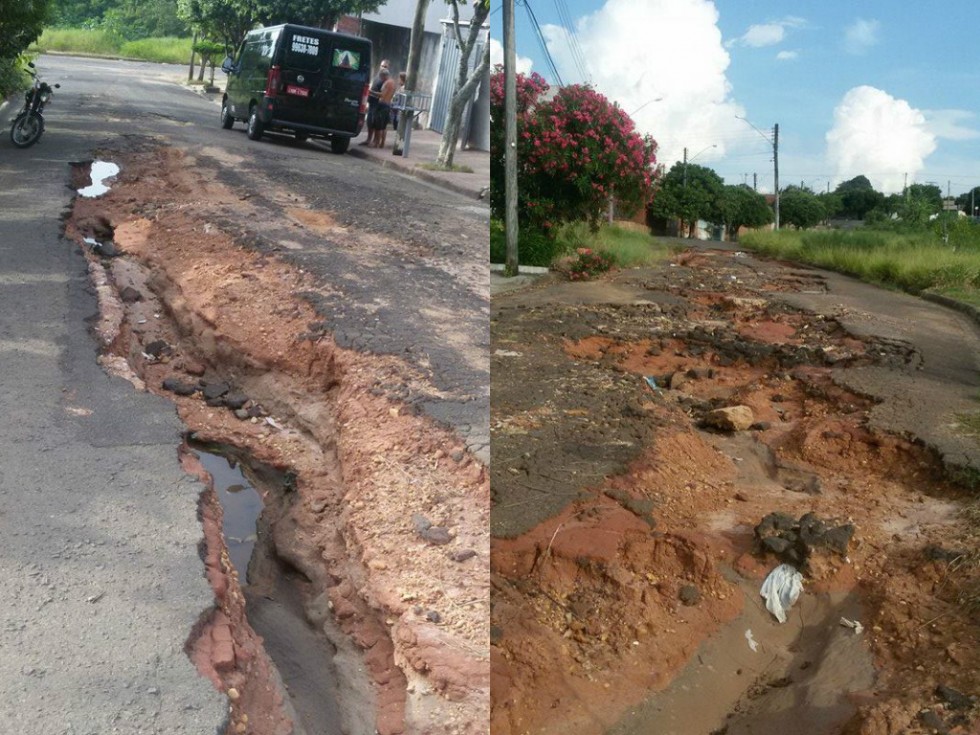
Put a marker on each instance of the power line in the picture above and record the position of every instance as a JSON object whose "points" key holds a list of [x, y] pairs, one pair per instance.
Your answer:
{"points": [[578, 58], [542, 43]]}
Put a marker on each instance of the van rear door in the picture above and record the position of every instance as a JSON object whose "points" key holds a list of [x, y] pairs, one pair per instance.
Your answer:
{"points": [[348, 71], [303, 56]]}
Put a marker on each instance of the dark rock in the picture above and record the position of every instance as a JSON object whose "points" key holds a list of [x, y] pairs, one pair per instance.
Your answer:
{"points": [[837, 539], [812, 529], [215, 403], [433, 617], [496, 634], [934, 552], [954, 698], [235, 401], [776, 545], [255, 411], [701, 373], [775, 522], [242, 414], [457, 456], [689, 595], [130, 295], [933, 721], [761, 426], [215, 390], [435, 535], [461, 556], [158, 348], [178, 386], [106, 249]]}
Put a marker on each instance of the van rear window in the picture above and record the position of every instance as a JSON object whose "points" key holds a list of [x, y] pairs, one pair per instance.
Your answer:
{"points": [[347, 59], [303, 52]]}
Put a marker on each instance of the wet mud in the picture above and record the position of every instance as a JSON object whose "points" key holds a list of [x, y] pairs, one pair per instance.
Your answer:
{"points": [[642, 427]]}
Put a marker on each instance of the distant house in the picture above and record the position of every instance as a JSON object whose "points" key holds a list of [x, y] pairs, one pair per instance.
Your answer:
{"points": [[390, 30]]}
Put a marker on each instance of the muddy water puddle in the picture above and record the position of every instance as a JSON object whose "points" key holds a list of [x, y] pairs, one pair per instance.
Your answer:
{"points": [[758, 676], [241, 504], [275, 606]]}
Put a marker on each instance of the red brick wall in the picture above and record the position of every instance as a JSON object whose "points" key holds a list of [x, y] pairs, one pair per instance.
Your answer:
{"points": [[349, 24]]}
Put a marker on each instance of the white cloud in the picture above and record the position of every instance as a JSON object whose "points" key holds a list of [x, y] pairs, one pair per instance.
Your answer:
{"points": [[637, 52], [787, 56], [951, 124], [861, 35], [768, 34], [879, 136], [497, 57]]}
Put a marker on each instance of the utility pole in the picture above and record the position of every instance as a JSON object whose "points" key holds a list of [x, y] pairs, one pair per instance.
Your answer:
{"points": [[755, 182], [685, 168], [510, 139], [775, 166]]}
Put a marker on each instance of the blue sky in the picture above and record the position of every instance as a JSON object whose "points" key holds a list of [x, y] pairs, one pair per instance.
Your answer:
{"points": [[885, 89]]}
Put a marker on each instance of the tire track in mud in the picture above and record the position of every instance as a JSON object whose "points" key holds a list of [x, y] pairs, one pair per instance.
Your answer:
{"points": [[250, 365], [610, 581]]}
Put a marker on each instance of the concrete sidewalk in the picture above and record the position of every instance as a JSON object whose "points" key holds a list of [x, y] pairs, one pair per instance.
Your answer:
{"points": [[423, 151]]}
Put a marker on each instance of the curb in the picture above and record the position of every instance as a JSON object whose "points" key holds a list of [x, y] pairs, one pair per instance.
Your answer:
{"points": [[418, 173], [961, 306]]}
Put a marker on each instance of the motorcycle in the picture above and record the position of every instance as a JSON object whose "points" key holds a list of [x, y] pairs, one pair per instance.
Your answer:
{"points": [[28, 126]]}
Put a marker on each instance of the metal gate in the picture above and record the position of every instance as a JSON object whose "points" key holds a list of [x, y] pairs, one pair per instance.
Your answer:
{"points": [[445, 82]]}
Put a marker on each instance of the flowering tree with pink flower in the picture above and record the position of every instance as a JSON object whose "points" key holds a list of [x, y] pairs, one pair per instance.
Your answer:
{"points": [[575, 151]]}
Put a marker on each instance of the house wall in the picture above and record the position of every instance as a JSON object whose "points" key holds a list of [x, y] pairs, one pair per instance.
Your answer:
{"points": [[402, 13]]}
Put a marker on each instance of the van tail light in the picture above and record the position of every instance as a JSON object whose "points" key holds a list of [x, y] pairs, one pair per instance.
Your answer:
{"points": [[364, 99], [272, 82]]}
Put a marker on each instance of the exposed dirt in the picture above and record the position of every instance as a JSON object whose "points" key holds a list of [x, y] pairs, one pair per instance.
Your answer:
{"points": [[625, 569], [186, 303]]}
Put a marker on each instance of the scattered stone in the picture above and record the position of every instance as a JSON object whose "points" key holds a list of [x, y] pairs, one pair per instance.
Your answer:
{"points": [[193, 367], [954, 698], [730, 418], [678, 380], [178, 386], [701, 373], [215, 403], [242, 414], [255, 411], [215, 390], [461, 556], [233, 694], [106, 249], [689, 595], [795, 542], [130, 295], [457, 456], [435, 535], [158, 348], [235, 401], [933, 721], [761, 426], [934, 552], [433, 617]]}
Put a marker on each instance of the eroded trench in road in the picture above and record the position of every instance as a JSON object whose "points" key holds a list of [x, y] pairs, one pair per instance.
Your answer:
{"points": [[344, 532], [630, 602]]}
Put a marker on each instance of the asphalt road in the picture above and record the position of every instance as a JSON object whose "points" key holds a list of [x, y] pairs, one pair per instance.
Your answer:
{"points": [[99, 564]]}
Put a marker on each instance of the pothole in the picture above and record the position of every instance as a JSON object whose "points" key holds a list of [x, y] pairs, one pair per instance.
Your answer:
{"points": [[339, 578], [664, 431], [98, 172]]}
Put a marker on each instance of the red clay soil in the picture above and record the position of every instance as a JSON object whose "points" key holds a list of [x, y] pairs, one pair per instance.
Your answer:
{"points": [[601, 605], [363, 464]]}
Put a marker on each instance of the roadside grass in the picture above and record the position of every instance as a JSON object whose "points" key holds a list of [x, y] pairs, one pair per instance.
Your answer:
{"points": [[99, 42], [626, 245], [911, 262], [164, 50]]}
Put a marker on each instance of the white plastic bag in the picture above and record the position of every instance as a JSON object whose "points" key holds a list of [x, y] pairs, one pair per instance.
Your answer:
{"points": [[781, 589]]}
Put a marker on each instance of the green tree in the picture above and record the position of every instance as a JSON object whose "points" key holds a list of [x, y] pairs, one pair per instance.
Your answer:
{"points": [[800, 208], [689, 192], [466, 81], [858, 197], [969, 199], [132, 19], [224, 20], [21, 22], [741, 206], [322, 13]]}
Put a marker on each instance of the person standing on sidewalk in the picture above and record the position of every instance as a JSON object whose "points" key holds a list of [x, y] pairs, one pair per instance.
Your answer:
{"points": [[372, 100]]}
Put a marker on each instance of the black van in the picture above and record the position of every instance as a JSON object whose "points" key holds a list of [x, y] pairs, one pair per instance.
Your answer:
{"points": [[307, 81]]}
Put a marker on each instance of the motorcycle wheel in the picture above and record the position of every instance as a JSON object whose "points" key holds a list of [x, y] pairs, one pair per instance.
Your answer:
{"points": [[26, 130]]}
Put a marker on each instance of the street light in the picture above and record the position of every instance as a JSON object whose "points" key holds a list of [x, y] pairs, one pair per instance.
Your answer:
{"points": [[648, 102], [687, 160], [774, 142]]}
